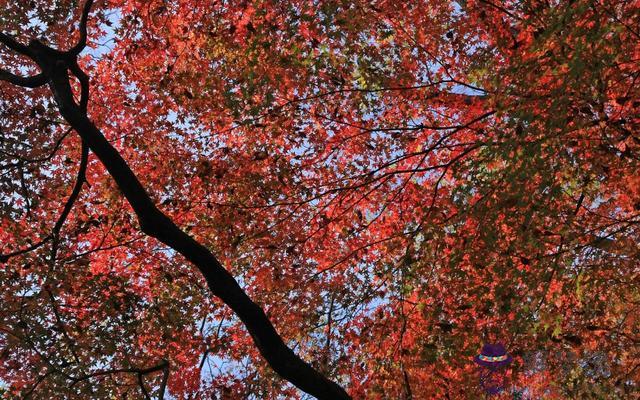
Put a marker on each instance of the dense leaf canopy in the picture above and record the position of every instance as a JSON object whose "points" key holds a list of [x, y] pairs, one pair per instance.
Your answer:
{"points": [[393, 183]]}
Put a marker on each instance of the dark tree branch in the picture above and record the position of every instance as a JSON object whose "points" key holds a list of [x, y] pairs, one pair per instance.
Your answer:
{"points": [[5, 257], [14, 45], [31, 82], [142, 387], [80, 180], [140, 371], [500, 8], [26, 192], [82, 41], [63, 215], [60, 323], [163, 384], [37, 383], [56, 66]]}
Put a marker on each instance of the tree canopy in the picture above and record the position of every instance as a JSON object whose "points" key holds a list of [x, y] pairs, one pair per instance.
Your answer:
{"points": [[343, 199]]}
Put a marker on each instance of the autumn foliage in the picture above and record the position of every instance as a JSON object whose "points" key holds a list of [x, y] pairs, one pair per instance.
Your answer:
{"points": [[393, 183]]}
